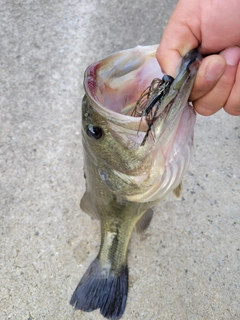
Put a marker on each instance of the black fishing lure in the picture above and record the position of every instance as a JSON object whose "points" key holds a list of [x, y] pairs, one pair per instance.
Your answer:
{"points": [[150, 100]]}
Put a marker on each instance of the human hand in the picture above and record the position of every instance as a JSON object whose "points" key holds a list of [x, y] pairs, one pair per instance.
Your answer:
{"points": [[213, 27]]}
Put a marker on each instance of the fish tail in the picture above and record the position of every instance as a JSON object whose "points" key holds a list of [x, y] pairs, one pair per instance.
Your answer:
{"points": [[100, 289]]}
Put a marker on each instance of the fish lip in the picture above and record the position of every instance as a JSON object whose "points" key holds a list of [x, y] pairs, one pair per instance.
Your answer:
{"points": [[187, 69], [181, 87]]}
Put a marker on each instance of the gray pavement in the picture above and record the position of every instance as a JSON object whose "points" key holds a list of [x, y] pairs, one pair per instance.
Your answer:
{"points": [[186, 265]]}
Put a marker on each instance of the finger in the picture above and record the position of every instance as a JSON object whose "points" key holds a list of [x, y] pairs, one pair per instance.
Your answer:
{"points": [[233, 103], [170, 62], [211, 69], [232, 106], [216, 98], [170, 50], [178, 38]]}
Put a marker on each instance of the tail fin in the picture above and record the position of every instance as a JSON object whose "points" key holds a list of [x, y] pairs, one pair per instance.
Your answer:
{"points": [[100, 289]]}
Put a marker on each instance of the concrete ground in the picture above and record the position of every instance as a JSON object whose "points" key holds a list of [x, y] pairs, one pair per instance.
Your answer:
{"points": [[187, 264]]}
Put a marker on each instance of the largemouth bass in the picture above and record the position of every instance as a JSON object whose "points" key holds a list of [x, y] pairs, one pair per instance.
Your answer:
{"points": [[130, 162]]}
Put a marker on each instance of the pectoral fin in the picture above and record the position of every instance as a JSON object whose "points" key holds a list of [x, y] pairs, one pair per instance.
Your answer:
{"points": [[86, 206], [178, 191], [144, 221]]}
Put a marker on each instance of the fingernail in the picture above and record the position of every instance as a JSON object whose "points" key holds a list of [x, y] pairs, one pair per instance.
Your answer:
{"points": [[231, 55], [215, 69]]}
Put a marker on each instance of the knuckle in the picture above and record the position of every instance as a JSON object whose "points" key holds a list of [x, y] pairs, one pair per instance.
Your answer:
{"points": [[233, 106], [205, 108]]}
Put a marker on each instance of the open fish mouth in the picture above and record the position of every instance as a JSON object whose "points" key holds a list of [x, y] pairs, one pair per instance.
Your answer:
{"points": [[115, 85]]}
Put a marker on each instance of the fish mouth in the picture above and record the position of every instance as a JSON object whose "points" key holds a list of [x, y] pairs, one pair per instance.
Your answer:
{"points": [[114, 91], [114, 84]]}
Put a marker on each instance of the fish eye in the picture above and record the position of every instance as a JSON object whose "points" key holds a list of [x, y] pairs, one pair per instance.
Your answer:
{"points": [[94, 132], [167, 78]]}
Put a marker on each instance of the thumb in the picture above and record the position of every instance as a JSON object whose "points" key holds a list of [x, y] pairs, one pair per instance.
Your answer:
{"points": [[177, 40]]}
